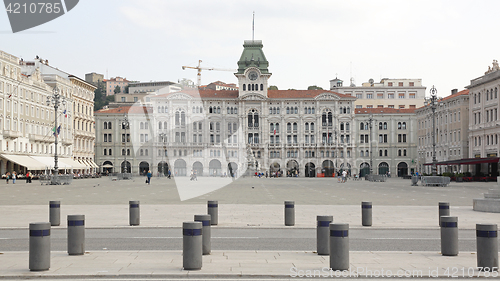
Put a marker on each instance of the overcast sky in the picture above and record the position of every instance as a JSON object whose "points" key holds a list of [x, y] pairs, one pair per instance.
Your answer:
{"points": [[445, 43]]}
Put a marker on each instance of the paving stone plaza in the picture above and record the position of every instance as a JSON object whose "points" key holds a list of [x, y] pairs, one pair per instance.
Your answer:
{"points": [[245, 203]]}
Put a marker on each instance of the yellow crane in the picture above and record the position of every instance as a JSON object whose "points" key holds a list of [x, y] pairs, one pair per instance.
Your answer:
{"points": [[200, 68]]}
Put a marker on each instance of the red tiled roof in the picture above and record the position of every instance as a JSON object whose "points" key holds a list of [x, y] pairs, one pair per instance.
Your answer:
{"points": [[384, 110], [125, 109], [463, 92]]}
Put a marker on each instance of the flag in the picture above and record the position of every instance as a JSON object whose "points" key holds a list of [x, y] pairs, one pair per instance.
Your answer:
{"points": [[65, 114], [275, 132], [56, 131]]}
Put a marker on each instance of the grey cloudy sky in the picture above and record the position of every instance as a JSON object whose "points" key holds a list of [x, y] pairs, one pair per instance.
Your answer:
{"points": [[446, 43]]}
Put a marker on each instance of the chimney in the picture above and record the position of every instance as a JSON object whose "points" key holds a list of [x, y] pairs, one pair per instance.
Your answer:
{"points": [[454, 91]]}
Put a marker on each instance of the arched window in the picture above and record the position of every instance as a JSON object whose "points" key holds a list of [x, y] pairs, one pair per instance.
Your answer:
{"points": [[330, 118], [288, 127], [217, 126], [105, 152], [253, 119], [110, 152], [141, 152], [361, 126], [385, 125], [165, 125], [342, 126], [105, 125], [183, 118], [295, 126], [399, 125], [348, 110], [296, 110], [262, 87], [218, 109], [177, 118], [159, 125], [109, 125], [287, 110], [306, 126], [404, 125], [380, 125], [244, 87], [361, 153], [142, 125], [312, 127], [123, 151], [347, 127]]}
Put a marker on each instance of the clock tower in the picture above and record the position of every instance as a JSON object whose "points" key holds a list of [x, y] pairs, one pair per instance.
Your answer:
{"points": [[253, 70]]}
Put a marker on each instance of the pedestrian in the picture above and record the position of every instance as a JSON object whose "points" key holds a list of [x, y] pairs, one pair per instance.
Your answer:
{"points": [[344, 174], [149, 175], [7, 176], [168, 174], [13, 177]]}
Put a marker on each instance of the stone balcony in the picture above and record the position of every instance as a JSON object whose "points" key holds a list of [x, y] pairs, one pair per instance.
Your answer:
{"points": [[11, 134]]}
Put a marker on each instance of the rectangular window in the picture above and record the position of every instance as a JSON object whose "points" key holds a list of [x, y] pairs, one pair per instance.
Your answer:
{"points": [[380, 96], [380, 106], [359, 96], [390, 106], [369, 96], [401, 106], [390, 95], [411, 95], [400, 84], [412, 84], [389, 84], [369, 106], [401, 95]]}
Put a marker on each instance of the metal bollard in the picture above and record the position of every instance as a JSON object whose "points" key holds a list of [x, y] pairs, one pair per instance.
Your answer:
{"points": [[366, 213], [39, 256], [55, 213], [487, 246], [449, 236], [289, 213], [444, 210], [323, 234], [76, 234], [192, 249], [134, 213], [205, 222], [339, 246], [213, 211]]}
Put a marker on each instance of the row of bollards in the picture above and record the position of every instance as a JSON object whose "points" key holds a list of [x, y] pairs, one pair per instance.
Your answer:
{"points": [[332, 238]]}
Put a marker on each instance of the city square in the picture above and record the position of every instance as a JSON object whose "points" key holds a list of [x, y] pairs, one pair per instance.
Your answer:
{"points": [[250, 217]]}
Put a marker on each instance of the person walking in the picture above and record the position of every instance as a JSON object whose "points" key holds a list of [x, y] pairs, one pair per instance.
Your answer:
{"points": [[149, 175], [7, 176], [168, 174], [13, 177], [344, 174]]}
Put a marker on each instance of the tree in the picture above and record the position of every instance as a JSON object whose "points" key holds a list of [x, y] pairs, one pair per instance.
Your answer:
{"points": [[314, 87], [118, 90], [273, 87]]}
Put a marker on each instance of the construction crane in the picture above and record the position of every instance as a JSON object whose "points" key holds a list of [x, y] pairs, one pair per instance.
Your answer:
{"points": [[199, 68]]}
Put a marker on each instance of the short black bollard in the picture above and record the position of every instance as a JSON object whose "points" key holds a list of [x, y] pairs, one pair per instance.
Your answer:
{"points": [[323, 234], [192, 249], [205, 222], [213, 211], [39, 256], [449, 236], [134, 213], [55, 213], [487, 246], [289, 213], [76, 234], [366, 213], [339, 246], [444, 210]]}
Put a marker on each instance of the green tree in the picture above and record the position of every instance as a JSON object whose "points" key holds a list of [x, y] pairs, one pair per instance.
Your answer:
{"points": [[272, 87], [118, 90], [314, 87]]}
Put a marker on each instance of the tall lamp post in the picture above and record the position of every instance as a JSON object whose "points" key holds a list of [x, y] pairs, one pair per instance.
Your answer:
{"points": [[162, 138], [370, 120], [56, 100], [125, 125], [433, 103]]}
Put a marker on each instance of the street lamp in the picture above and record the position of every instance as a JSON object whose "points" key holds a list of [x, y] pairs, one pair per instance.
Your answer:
{"points": [[370, 120], [433, 103], [162, 138], [56, 100], [125, 125]]}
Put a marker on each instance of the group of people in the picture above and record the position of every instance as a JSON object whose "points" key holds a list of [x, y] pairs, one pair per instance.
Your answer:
{"points": [[14, 176]]}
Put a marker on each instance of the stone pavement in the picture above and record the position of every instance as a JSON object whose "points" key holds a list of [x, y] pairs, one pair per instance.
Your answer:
{"points": [[242, 264], [105, 205]]}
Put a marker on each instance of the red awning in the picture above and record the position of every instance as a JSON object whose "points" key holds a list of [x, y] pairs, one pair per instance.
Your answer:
{"points": [[467, 161]]}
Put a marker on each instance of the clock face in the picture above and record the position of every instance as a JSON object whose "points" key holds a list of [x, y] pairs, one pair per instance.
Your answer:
{"points": [[253, 75]]}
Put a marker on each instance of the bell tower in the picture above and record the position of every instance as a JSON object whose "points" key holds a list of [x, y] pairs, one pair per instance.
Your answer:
{"points": [[253, 72]]}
